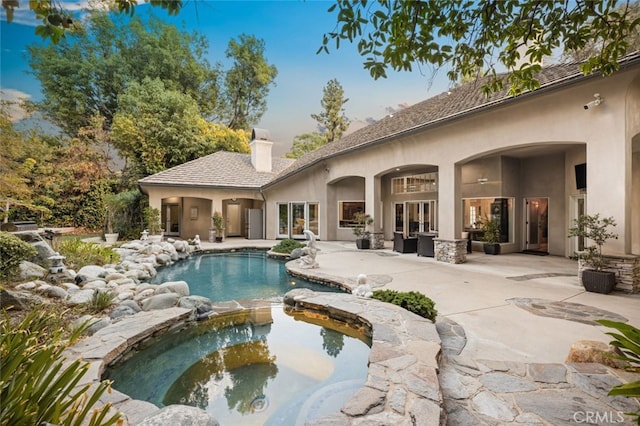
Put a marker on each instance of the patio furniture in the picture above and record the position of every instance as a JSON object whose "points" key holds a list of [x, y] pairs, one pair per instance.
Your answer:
{"points": [[404, 245], [425, 244]]}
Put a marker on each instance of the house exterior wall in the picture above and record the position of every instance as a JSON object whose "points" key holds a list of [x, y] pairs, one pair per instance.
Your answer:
{"points": [[552, 119]]}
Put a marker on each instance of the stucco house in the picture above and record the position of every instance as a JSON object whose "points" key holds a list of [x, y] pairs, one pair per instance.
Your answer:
{"points": [[535, 162]]}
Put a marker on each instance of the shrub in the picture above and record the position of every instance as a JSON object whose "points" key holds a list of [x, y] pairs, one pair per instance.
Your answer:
{"points": [[100, 301], [627, 341], [287, 246], [13, 251], [412, 301], [79, 253], [36, 385]]}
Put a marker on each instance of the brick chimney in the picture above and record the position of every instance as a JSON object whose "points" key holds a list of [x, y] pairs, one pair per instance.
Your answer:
{"points": [[260, 150]]}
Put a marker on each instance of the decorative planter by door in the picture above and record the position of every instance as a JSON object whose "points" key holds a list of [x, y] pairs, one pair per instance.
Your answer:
{"points": [[363, 243], [598, 281], [491, 248]]}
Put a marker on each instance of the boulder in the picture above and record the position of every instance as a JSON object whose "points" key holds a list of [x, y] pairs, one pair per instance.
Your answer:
{"points": [[81, 296], [95, 285], [18, 300], [92, 271], [163, 258], [179, 415], [131, 304], [199, 304], [594, 351], [114, 276], [181, 246], [55, 292], [121, 311], [144, 294], [30, 285], [179, 287], [160, 301], [31, 270]]}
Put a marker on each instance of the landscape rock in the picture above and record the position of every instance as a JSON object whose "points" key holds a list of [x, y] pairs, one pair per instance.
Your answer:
{"points": [[180, 415], [160, 301], [18, 300], [55, 292], [81, 296], [92, 271], [31, 270], [199, 304], [179, 287]]}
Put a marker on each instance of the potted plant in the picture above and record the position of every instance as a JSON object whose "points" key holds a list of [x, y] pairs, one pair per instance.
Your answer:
{"points": [[114, 206], [218, 224], [596, 229], [361, 222], [491, 236], [154, 226]]}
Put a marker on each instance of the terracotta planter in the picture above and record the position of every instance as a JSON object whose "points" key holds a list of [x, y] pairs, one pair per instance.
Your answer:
{"points": [[598, 281]]}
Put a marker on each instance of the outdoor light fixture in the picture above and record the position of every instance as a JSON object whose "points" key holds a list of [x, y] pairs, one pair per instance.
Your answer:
{"points": [[594, 103], [482, 181]]}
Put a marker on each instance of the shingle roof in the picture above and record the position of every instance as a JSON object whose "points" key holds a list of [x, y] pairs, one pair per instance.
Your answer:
{"points": [[446, 106], [220, 169]]}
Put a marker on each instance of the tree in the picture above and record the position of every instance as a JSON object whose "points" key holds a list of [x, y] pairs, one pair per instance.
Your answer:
{"points": [[246, 84], [306, 143], [332, 121], [57, 21], [483, 35], [156, 128], [84, 74], [20, 154], [593, 47]]}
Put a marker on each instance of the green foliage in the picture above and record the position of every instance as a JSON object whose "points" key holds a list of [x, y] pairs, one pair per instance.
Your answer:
{"points": [[85, 73], [218, 222], [36, 385], [305, 143], [490, 231], [331, 121], [79, 253], [100, 301], [469, 35], [156, 127], [412, 301], [627, 341], [152, 220], [597, 230], [287, 246], [13, 251], [246, 84], [361, 220]]}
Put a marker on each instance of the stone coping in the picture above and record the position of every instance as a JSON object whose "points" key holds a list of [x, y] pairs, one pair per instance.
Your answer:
{"points": [[402, 384]]}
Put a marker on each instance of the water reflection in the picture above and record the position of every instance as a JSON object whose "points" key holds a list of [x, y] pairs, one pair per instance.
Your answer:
{"points": [[255, 366]]}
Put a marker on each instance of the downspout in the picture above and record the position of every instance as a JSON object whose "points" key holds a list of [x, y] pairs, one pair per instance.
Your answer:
{"points": [[264, 216]]}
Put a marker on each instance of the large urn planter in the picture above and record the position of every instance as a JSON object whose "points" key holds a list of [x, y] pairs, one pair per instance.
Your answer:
{"points": [[111, 238], [598, 281]]}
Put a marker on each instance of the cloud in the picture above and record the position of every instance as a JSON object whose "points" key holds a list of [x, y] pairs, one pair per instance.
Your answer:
{"points": [[12, 99]]}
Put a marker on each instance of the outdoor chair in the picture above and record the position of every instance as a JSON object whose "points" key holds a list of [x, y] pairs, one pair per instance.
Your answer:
{"points": [[404, 245]]}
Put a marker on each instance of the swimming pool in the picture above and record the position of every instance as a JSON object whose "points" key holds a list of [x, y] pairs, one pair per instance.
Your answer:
{"points": [[235, 275], [257, 367]]}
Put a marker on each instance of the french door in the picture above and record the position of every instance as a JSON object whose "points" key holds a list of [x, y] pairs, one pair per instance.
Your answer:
{"points": [[537, 224], [296, 217], [414, 217]]}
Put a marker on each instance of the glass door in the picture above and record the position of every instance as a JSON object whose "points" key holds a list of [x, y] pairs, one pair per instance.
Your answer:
{"points": [[537, 224], [171, 219], [294, 218]]}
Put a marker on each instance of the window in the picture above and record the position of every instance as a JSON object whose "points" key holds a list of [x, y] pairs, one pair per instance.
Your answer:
{"points": [[476, 210], [426, 182], [346, 211]]}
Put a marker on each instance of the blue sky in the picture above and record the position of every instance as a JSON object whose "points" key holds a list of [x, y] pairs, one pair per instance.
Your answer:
{"points": [[292, 31]]}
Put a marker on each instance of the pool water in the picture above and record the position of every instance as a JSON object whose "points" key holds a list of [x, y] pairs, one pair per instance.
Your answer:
{"points": [[262, 366], [234, 276]]}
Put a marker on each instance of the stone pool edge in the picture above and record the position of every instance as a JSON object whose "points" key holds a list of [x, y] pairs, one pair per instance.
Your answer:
{"points": [[402, 385]]}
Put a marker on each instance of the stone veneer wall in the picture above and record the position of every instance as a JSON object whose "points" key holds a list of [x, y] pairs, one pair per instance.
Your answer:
{"points": [[627, 269], [450, 251], [377, 240]]}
